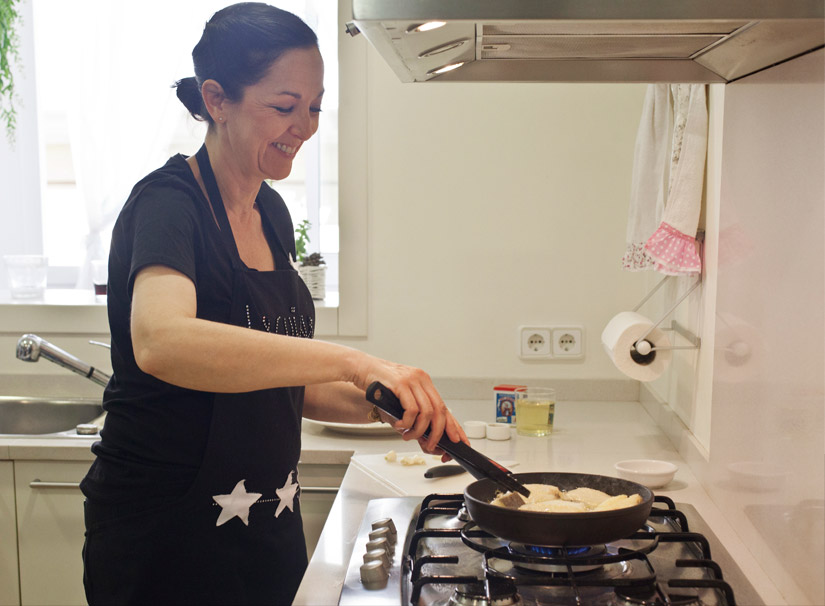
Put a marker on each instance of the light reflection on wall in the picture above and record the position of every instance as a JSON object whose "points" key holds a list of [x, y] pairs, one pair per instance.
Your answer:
{"points": [[768, 424]]}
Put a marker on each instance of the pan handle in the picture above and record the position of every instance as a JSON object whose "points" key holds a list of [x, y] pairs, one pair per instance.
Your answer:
{"points": [[478, 465]]}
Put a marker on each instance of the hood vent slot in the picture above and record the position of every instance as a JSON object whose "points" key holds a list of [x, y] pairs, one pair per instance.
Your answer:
{"points": [[595, 47]]}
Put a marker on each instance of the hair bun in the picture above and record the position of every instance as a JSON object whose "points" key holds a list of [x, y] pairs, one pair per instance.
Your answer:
{"points": [[189, 93]]}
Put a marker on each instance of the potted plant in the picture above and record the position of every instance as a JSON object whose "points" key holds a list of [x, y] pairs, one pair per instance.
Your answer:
{"points": [[9, 58], [311, 267]]}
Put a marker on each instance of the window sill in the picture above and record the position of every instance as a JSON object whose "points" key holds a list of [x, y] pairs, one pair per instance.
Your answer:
{"points": [[81, 311]]}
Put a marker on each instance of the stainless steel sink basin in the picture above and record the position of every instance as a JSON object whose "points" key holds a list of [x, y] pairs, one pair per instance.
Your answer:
{"points": [[32, 417]]}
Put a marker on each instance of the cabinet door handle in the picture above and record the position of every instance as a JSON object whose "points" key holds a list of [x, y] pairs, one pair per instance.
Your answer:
{"points": [[39, 484], [319, 489]]}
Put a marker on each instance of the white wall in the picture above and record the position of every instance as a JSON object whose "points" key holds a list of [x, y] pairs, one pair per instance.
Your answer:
{"points": [[492, 206]]}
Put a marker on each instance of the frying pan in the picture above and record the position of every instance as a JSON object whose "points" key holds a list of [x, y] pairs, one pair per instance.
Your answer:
{"points": [[556, 529]]}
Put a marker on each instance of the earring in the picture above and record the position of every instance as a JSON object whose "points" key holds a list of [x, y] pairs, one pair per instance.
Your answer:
{"points": [[220, 119]]}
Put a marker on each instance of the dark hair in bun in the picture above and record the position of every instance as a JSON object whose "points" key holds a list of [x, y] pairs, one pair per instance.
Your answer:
{"points": [[238, 45]]}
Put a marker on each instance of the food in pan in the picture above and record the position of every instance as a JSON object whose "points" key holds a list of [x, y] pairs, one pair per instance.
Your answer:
{"points": [[538, 493], [591, 497], [549, 499], [557, 506], [542, 492], [619, 502]]}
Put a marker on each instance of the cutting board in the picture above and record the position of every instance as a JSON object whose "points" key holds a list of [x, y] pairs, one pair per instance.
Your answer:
{"points": [[409, 480]]}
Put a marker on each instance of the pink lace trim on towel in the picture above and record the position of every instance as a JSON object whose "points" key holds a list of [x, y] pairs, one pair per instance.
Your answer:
{"points": [[674, 253]]}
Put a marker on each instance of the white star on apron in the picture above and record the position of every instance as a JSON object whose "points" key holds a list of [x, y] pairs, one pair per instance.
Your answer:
{"points": [[287, 495], [236, 504]]}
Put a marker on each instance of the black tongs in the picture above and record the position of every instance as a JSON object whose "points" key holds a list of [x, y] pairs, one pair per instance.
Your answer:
{"points": [[478, 465]]}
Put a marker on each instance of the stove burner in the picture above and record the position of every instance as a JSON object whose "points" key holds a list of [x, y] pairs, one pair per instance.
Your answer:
{"points": [[558, 552], [561, 553], [555, 560], [475, 594], [456, 517], [460, 519]]}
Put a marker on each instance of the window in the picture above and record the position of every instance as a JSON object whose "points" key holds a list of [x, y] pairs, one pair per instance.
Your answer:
{"points": [[107, 115]]}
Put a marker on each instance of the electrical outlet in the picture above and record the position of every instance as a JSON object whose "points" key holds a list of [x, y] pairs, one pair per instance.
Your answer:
{"points": [[534, 342], [567, 341]]}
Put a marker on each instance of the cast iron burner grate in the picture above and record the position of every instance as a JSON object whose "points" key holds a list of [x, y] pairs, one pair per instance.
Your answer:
{"points": [[582, 573]]}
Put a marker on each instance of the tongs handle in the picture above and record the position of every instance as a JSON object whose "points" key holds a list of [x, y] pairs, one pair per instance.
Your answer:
{"points": [[478, 465]]}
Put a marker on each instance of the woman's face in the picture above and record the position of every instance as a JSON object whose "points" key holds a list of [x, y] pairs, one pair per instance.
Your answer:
{"points": [[267, 127]]}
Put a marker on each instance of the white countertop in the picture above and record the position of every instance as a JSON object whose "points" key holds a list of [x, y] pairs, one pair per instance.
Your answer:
{"points": [[318, 446], [589, 437]]}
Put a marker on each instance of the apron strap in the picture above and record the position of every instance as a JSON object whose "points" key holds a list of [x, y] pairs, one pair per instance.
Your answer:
{"points": [[216, 201], [273, 216], [277, 215]]}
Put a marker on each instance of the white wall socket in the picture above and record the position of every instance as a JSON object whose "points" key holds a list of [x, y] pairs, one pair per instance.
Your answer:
{"points": [[567, 341], [535, 342]]}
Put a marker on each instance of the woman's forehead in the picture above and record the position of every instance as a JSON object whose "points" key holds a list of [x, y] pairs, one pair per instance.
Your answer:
{"points": [[298, 72]]}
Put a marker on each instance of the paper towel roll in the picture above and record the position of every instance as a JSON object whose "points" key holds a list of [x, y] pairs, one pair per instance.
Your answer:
{"points": [[618, 339]]}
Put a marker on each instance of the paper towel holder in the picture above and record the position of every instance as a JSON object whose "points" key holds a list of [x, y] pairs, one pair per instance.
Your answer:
{"points": [[643, 351]]}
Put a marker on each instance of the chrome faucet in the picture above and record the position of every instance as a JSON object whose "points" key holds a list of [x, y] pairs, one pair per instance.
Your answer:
{"points": [[31, 347]]}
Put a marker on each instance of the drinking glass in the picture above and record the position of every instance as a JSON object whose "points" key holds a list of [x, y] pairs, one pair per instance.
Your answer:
{"points": [[27, 275], [535, 410]]}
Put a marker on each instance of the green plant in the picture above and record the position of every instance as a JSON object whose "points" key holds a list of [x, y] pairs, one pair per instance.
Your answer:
{"points": [[9, 58], [313, 260], [301, 241]]}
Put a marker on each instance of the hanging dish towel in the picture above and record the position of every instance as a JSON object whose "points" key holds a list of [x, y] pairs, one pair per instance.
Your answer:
{"points": [[673, 245], [647, 189]]}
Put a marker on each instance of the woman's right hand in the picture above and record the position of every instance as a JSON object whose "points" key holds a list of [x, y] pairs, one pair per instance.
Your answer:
{"points": [[423, 406]]}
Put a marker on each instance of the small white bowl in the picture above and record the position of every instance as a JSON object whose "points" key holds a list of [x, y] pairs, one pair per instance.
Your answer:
{"points": [[475, 429], [498, 431], [649, 472]]}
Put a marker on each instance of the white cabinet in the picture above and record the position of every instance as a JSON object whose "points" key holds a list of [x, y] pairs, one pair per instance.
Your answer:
{"points": [[9, 585], [50, 531], [319, 486]]}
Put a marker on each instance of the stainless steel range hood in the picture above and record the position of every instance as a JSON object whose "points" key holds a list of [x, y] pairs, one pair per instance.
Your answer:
{"points": [[587, 40]]}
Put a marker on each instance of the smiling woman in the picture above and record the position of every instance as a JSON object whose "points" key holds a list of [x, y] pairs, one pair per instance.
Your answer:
{"points": [[96, 143], [212, 340]]}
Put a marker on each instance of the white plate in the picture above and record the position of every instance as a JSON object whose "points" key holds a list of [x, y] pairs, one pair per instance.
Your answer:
{"points": [[372, 429]]}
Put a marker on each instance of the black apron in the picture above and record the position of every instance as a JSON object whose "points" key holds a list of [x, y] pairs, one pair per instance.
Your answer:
{"points": [[236, 537]]}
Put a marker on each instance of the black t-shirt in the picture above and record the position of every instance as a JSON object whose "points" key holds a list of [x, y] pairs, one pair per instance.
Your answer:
{"points": [[156, 433]]}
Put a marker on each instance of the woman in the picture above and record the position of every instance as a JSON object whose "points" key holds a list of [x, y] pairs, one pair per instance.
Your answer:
{"points": [[193, 497]]}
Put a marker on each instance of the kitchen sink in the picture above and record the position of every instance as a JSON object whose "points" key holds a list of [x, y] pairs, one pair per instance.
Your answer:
{"points": [[48, 417]]}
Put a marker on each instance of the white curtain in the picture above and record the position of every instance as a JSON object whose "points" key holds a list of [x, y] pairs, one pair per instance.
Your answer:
{"points": [[122, 112], [117, 61], [120, 128]]}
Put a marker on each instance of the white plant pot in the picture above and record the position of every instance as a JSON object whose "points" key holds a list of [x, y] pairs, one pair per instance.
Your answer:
{"points": [[315, 279]]}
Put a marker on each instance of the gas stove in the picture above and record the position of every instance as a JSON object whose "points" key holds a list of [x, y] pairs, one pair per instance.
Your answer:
{"points": [[414, 552]]}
